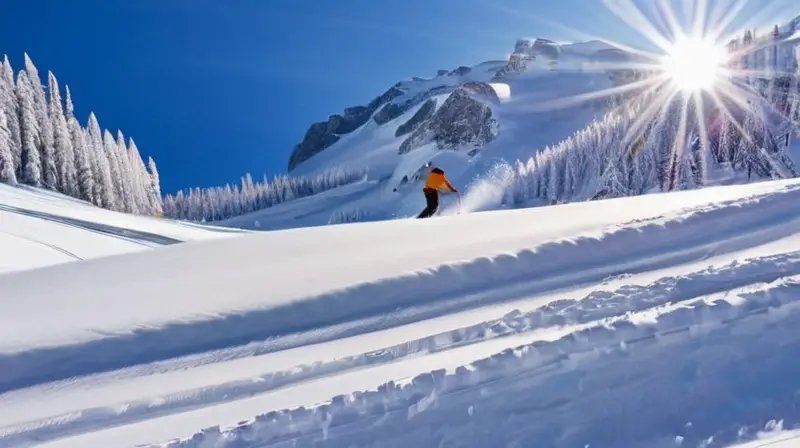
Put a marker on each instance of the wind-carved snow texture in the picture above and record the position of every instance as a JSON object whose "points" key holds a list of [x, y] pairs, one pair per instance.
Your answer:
{"points": [[597, 306], [716, 229], [681, 359]]}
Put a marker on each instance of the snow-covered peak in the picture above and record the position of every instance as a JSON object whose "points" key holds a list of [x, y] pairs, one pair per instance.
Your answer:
{"points": [[537, 54], [541, 47], [544, 54]]}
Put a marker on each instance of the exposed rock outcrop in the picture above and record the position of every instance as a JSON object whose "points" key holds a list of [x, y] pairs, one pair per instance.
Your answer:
{"points": [[323, 134], [461, 71], [318, 137], [482, 90], [464, 121], [424, 113], [393, 110], [526, 50], [545, 48]]}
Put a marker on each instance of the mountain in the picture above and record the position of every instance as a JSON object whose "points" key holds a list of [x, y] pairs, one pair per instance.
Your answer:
{"points": [[552, 123], [368, 135]]}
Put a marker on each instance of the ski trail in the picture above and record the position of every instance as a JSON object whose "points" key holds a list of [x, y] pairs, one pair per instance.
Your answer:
{"points": [[562, 315], [46, 244], [603, 376]]}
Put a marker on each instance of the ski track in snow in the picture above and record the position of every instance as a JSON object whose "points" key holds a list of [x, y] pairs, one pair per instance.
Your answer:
{"points": [[635, 247], [139, 237], [597, 306], [694, 360]]}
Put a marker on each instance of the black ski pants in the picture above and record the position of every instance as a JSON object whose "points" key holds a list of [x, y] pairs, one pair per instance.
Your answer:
{"points": [[432, 200]]}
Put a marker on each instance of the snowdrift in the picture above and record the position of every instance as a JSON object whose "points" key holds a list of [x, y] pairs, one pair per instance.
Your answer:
{"points": [[593, 387], [215, 294]]}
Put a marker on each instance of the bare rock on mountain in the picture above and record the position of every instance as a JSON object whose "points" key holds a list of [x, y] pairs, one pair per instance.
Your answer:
{"points": [[424, 113], [323, 134], [482, 89], [545, 48], [464, 121], [461, 71], [393, 110], [318, 137]]}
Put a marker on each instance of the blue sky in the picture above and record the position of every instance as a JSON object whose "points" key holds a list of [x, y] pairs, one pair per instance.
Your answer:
{"points": [[216, 88]]}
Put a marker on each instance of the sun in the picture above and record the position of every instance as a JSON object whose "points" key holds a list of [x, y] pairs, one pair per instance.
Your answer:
{"points": [[694, 64]]}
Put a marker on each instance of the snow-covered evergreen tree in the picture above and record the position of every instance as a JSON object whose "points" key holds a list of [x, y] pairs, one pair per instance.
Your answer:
{"points": [[110, 151], [155, 187], [45, 128], [83, 154], [10, 105], [29, 132], [7, 174], [139, 179], [64, 151], [126, 172], [104, 194]]}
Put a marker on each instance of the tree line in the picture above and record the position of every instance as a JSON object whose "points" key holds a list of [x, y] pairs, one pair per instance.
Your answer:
{"points": [[606, 159], [219, 203], [42, 144]]}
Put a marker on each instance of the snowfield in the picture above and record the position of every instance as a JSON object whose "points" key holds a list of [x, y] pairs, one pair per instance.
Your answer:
{"points": [[40, 228], [651, 321]]}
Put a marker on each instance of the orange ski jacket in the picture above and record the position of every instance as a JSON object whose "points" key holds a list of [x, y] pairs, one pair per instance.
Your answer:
{"points": [[437, 181]]}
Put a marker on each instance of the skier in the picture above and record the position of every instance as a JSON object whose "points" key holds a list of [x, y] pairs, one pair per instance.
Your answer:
{"points": [[436, 183]]}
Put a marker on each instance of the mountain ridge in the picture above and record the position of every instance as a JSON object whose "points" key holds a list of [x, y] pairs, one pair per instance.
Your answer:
{"points": [[408, 93]]}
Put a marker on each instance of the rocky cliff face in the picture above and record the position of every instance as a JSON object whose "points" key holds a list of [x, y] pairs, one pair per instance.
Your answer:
{"points": [[464, 121], [323, 134], [423, 114]]}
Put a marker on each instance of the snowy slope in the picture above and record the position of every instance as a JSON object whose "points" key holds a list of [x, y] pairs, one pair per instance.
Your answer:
{"points": [[607, 323], [40, 228], [535, 109], [526, 124]]}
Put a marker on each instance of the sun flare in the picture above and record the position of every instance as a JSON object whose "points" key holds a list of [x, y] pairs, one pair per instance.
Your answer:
{"points": [[694, 64]]}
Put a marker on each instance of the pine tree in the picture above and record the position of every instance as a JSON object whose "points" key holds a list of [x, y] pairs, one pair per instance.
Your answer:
{"points": [[141, 180], [126, 175], [110, 150], [9, 102], [699, 152], [45, 127], [685, 178], [29, 132], [7, 174], [83, 154], [64, 151], [155, 187], [104, 194]]}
